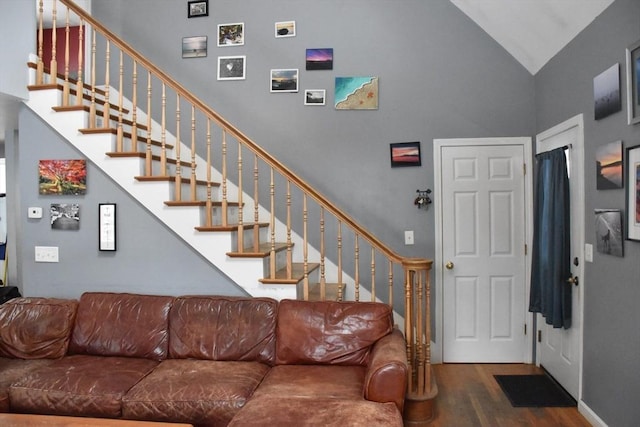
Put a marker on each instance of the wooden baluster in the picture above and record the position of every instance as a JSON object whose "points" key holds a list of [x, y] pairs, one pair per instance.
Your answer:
{"points": [[256, 205], [419, 331], [323, 281], [225, 203], [120, 131], [80, 81], [148, 163], [65, 87], [193, 182], [305, 247], [373, 274], [272, 226], [340, 296], [163, 148], [40, 65], [53, 68], [92, 106], [209, 203], [408, 327], [289, 243], [106, 108], [178, 187], [356, 256], [240, 202], [391, 283], [427, 339], [134, 108]]}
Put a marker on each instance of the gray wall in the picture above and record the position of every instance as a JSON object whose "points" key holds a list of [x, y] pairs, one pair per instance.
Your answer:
{"points": [[15, 16], [564, 88]]}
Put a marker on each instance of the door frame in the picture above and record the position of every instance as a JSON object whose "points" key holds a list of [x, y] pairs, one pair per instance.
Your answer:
{"points": [[574, 122], [438, 144]]}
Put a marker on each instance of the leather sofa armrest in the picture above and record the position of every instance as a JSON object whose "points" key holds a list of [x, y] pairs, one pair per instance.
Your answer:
{"points": [[386, 376]]}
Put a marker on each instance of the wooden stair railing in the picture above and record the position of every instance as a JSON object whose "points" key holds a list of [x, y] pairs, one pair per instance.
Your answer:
{"points": [[187, 126]]}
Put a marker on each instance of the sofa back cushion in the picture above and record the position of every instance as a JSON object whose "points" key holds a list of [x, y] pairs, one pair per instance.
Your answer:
{"points": [[122, 324], [223, 328], [36, 328], [330, 333]]}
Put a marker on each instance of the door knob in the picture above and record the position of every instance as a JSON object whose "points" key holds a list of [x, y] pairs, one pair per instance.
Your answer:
{"points": [[449, 265], [573, 280]]}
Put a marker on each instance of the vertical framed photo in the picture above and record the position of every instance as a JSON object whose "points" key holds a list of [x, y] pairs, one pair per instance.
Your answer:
{"points": [[609, 239], [285, 29], [197, 8], [633, 83], [314, 96], [606, 92], [231, 34], [633, 192], [107, 226], [232, 67], [284, 80], [405, 154], [609, 166]]}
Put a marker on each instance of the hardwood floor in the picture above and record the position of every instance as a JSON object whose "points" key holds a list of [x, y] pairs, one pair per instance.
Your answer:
{"points": [[468, 395]]}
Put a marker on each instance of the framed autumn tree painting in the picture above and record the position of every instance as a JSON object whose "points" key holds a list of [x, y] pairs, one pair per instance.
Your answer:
{"points": [[62, 177]]}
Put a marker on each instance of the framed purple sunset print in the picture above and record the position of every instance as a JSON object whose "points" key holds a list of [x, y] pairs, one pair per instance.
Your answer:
{"points": [[633, 193], [319, 59], [405, 154]]}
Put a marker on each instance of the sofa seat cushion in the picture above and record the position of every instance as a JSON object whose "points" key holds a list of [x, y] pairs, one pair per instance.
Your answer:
{"points": [[11, 370], [313, 412], [285, 381], [90, 386], [201, 392]]}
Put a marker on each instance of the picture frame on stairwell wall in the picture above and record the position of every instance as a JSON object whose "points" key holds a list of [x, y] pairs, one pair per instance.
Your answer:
{"points": [[232, 67], [633, 83], [632, 179], [405, 154], [609, 240], [107, 232], [197, 8]]}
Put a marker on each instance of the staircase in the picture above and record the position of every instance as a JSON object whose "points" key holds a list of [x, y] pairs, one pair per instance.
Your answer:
{"points": [[239, 207]]}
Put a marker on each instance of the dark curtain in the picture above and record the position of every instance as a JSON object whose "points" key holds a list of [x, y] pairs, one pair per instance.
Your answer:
{"points": [[551, 258]]}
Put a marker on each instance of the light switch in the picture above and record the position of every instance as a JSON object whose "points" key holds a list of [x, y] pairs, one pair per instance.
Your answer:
{"points": [[588, 252], [46, 254]]}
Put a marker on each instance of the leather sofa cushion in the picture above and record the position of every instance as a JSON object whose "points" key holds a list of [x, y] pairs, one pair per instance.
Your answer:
{"points": [[327, 332], [79, 385], [121, 324], [223, 328], [12, 370], [313, 412], [202, 392], [36, 328]]}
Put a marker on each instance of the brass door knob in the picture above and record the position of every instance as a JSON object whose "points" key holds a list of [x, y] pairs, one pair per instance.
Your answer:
{"points": [[449, 265], [573, 280]]}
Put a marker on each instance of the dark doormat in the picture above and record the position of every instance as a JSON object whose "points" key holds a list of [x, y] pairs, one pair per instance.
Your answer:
{"points": [[534, 391]]}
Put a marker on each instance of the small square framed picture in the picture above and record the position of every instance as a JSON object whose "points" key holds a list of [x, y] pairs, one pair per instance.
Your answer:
{"points": [[232, 67], [197, 8], [314, 96], [285, 29]]}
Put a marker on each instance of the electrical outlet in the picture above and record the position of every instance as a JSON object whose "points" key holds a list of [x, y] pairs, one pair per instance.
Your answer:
{"points": [[408, 237], [46, 254]]}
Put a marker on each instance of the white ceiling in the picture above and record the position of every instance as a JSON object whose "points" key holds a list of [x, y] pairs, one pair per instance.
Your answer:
{"points": [[532, 31]]}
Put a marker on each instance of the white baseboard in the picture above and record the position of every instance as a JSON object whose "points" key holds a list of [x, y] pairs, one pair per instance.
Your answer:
{"points": [[591, 416]]}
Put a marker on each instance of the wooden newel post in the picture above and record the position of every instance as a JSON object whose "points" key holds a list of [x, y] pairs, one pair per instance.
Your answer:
{"points": [[421, 386]]}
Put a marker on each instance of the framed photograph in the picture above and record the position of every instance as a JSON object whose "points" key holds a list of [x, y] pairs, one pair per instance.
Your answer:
{"points": [[319, 59], [65, 216], [232, 67], [284, 80], [107, 226], [609, 239], [197, 8], [285, 29], [194, 47], [633, 192], [405, 154], [633, 82], [62, 177], [314, 96], [606, 92], [609, 166], [231, 34]]}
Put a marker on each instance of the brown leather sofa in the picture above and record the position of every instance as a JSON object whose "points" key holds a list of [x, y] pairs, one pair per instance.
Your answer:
{"points": [[203, 360]]}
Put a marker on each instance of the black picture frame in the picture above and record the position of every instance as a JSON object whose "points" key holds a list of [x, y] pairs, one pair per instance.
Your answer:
{"points": [[197, 8], [632, 178], [107, 230], [633, 83], [405, 154]]}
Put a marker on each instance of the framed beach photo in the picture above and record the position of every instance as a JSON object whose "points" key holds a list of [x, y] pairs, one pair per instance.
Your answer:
{"points": [[232, 67], [319, 59], [194, 47], [633, 192], [231, 34], [197, 8], [285, 29], [405, 154], [314, 96], [633, 83], [284, 80]]}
